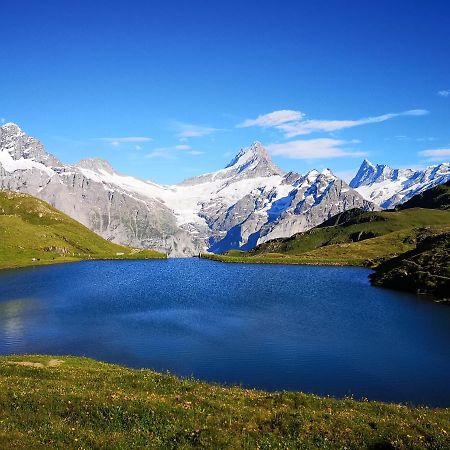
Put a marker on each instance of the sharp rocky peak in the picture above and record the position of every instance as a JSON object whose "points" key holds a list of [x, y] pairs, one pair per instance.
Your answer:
{"points": [[11, 127], [250, 162], [255, 160], [19, 145], [369, 173]]}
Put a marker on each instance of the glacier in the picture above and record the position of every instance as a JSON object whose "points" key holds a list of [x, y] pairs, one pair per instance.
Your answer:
{"points": [[248, 202]]}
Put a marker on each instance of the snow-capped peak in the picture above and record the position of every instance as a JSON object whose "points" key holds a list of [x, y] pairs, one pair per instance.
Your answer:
{"points": [[388, 187], [11, 127], [20, 151], [254, 159], [367, 163], [250, 200], [328, 172], [366, 173], [255, 151], [250, 162]]}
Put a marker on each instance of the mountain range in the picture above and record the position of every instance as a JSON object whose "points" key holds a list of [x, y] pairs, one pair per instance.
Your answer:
{"points": [[389, 187], [249, 202]]}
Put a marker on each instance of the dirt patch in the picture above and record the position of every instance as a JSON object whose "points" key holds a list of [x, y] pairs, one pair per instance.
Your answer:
{"points": [[51, 363], [55, 362], [27, 364]]}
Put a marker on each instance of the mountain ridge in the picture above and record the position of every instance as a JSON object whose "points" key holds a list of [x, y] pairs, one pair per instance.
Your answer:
{"points": [[388, 187], [248, 202]]}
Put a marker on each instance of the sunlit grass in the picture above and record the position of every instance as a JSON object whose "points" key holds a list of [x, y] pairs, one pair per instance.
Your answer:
{"points": [[393, 233], [34, 233], [81, 403]]}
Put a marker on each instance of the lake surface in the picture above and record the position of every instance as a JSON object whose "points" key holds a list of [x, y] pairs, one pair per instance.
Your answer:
{"points": [[316, 329]]}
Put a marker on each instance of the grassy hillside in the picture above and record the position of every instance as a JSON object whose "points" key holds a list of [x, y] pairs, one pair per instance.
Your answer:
{"points": [[34, 233], [68, 402], [425, 269], [351, 238]]}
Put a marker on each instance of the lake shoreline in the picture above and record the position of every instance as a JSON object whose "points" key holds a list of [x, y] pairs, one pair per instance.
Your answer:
{"points": [[53, 397], [273, 327], [280, 261], [46, 263]]}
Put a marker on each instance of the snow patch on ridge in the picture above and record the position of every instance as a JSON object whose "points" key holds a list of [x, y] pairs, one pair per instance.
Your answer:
{"points": [[11, 165]]}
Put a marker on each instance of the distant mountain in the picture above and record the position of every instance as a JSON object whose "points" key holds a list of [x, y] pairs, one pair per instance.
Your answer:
{"points": [[248, 202], [389, 187], [437, 197], [354, 237]]}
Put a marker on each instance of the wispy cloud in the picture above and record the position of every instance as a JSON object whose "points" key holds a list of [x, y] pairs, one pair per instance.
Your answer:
{"points": [[159, 153], [116, 141], [436, 154], [195, 152], [314, 149], [189, 130], [273, 119], [2, 120], [444, 93], [293, 123], [171, 152]]}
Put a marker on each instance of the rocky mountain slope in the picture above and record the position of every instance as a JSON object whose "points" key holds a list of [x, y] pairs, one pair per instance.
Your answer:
{"points": [[408, 246], [248, 202], [34, 233], [389, 187], [354, 237]]}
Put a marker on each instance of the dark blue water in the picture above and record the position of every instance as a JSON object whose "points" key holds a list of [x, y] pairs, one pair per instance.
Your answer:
{"points": [[316, 329]]}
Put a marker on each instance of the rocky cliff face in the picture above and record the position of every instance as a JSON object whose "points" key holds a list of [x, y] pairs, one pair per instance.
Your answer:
{"points": [[248, 202]]}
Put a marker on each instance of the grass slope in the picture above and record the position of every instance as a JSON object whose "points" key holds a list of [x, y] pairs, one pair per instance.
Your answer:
{"points": [[425, 269], [351, 238], [73, 402], [34, 233]]}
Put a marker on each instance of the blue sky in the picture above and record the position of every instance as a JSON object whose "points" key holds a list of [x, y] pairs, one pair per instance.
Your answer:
{"points": [[168, 90]]}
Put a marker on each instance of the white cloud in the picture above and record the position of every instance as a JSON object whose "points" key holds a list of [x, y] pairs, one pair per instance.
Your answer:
{"points": [[124, 140], [292, 123], [273, 119], [423, 139], [159, 153], [168, 152], [2, 120], [444, 93], [138, 147], [313, 149], [437, 154], [189, 130], [195, 152]]}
